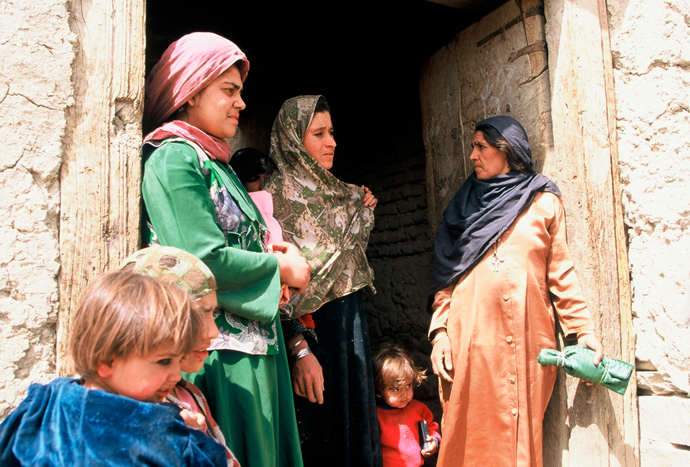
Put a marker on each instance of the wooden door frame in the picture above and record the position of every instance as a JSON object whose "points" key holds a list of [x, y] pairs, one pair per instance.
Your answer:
{"points": [[583, 109], [101, 170], [583, 425]]}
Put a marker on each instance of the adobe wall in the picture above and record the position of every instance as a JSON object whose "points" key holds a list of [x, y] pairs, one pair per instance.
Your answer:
{"points": [[400, 252], [36, 52], [650, 41]]}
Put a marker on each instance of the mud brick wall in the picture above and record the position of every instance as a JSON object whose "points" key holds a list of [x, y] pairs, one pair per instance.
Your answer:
{"points": [[400, 252]]}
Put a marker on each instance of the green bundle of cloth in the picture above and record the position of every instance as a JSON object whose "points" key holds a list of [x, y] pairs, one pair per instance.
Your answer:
{"points": [[577, 360]]}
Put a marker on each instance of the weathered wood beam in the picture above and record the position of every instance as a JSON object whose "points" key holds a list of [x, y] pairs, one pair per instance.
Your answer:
{"points": [[630, 410], [600, 425], [100, 176]]}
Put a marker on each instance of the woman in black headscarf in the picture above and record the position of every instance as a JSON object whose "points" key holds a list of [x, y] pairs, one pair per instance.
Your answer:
{"points": [[501, 267]]}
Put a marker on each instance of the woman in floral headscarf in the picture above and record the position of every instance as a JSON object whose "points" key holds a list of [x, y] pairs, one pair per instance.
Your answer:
{"points": [[195, 202], [330, 222]]}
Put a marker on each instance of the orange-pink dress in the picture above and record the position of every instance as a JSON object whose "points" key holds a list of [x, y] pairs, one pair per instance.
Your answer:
{"points": [[498, 317]]}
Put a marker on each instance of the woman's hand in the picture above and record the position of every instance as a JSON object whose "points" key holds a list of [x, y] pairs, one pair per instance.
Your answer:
{"points": [[441, 358], [370, 200], [294, 269], [592, 341], [307, 379], [307, 375]]}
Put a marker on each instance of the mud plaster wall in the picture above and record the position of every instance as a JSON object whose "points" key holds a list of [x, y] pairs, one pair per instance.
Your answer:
{"points": [[36, 52], [650, 42]]}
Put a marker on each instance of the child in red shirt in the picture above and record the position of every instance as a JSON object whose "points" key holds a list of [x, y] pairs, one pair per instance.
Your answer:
{"points": [[399, 414]]}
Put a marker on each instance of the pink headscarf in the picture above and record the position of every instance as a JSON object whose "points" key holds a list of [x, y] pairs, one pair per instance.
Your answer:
{"points": [[188, 66]]}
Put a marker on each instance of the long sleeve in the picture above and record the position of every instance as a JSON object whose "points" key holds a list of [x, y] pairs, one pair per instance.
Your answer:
{"points": [[566, 293], [440, 309], [431, 424], [182, 214]]}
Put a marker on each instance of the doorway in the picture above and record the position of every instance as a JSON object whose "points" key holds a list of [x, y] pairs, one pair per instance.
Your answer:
{"points": [[366, 59]]}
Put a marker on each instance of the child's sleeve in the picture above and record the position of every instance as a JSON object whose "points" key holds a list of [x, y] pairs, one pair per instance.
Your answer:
{"points": [[431, 424]]}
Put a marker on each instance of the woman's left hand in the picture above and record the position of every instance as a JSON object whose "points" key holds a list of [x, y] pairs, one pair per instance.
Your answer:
{"points": [[593, 342], [370, 200]]}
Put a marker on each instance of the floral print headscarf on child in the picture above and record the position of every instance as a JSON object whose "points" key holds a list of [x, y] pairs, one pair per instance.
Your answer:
{"points": [[175, 267]]}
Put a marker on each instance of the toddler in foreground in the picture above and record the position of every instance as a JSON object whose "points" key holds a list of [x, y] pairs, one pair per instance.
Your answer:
{"points": [[399, 414], [126, 341]]}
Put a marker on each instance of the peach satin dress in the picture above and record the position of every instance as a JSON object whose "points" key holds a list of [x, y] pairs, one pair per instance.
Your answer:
{"points": [[498, 317]]}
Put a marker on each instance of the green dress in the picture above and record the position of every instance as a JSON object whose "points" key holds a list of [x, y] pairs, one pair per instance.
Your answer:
{"points": [[198, 204]]}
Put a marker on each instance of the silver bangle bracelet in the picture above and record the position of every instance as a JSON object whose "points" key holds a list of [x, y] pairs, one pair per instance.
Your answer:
{"points": [[439, 335], [301, 354], [296, 344]]}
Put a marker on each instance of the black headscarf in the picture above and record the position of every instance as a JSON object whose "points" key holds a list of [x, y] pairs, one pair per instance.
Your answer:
{"points": [[482, 210]]}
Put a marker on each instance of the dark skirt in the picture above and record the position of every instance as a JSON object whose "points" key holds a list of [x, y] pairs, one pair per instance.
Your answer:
{"points": [[344, 430]]}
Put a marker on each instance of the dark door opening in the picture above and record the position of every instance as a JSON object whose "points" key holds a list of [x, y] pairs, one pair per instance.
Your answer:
{"points": [[362, 55], [365, 57]]}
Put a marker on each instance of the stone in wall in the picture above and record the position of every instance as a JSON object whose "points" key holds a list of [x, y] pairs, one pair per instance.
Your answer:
{"points": [[36, 52], [665, 431], [650, 42]]}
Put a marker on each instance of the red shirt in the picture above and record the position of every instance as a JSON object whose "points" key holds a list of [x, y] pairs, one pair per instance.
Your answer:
{"points": [[400, 433]]}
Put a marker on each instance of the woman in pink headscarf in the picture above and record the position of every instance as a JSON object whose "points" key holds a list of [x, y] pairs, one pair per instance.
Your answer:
{"points": [[195, 202]]}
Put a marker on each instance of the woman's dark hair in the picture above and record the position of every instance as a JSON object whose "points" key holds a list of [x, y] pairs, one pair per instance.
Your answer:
{"points": [[322, 106], [248, 164], [495, 139]]}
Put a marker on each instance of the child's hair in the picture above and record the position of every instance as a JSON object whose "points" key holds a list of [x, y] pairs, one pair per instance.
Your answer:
{"points": [[125, 314], [248, 164], [393, 366]]}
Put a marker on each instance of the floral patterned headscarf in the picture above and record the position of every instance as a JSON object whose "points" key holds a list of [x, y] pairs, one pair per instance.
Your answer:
{"points": [[173, 266], [324, 217]]}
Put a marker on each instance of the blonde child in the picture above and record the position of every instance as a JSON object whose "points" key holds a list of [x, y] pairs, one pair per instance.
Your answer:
{"points": [[399, 414], [127, 339]]}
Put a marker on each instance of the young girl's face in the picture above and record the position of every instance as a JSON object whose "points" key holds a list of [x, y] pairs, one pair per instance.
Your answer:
{"points": [[147, 378], [398, 397], [193, 362]]}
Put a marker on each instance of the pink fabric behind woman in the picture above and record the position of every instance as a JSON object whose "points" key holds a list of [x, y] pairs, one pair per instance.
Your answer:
{"points": [[264, 202]]}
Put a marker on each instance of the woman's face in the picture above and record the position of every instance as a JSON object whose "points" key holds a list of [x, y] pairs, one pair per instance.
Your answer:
{"points": [[488, 160], [319, 141], [216, 108], [194, 361]]}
